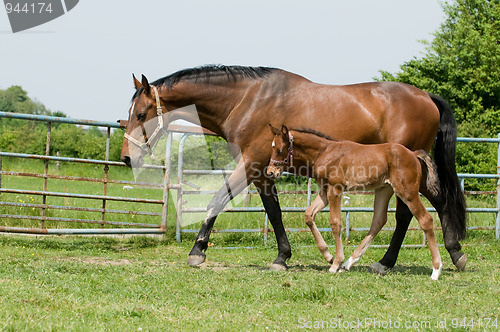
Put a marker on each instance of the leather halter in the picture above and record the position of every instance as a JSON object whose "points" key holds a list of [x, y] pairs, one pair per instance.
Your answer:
{"points": [[146, 146], [289, 157]]}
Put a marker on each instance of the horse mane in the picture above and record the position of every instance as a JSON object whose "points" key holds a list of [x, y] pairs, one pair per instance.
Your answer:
{"points": [[211, 74], [315, 132]]}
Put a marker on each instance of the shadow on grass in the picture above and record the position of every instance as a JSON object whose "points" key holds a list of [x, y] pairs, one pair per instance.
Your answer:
{"points": [[402, 270]]}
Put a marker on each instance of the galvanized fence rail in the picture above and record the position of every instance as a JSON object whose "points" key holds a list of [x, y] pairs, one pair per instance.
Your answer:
{"points": [[159, 227], [106, 226], [183, 209]]}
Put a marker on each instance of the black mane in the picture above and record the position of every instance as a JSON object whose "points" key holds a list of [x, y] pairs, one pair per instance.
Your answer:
{"points": [[210, 73], [315, 132]]}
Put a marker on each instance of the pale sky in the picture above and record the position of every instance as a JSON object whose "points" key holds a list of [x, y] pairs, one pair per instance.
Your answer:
{"points": [[82, 63]]}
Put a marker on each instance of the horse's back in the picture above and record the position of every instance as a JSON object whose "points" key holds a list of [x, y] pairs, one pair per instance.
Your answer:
{"points": [[375, 112]]}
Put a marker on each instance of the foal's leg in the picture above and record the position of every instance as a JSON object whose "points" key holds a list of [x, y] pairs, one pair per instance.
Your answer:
{"points": [[450, 239], [382, 197], [403, 219], [319, 203], [334, 198], [425, 221]]}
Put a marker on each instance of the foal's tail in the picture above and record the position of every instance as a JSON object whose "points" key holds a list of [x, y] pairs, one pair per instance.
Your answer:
{"points": [[432, 177], [444, 155]]}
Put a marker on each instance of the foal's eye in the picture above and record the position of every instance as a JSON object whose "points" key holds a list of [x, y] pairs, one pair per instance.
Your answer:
{"points": [[141, 116]]}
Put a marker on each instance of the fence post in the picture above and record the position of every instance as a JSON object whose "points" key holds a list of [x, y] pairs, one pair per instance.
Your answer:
{"points": [[497, 226], [166, 181], [180, 177], [46, 172], [105, 182]]}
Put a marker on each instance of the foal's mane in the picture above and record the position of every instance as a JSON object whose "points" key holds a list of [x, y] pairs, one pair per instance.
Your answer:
{"points": [[316, 133], [211, 74]]}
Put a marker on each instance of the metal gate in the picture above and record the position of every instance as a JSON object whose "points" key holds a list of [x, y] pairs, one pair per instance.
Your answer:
{"points": [[32, 207], [141, 215]]}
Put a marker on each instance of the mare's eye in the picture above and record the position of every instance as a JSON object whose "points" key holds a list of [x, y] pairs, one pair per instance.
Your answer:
{"points": [[141, 116]]}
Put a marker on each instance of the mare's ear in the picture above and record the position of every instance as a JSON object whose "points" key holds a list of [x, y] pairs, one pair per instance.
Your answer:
{"points": [[275, 131], [137, 84], [145, 85], [284, 130]]}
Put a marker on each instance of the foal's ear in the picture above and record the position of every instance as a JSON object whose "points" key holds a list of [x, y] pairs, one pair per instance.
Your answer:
{"points": [[284, 130], [137, 84], [145, 85], [275, 131]]}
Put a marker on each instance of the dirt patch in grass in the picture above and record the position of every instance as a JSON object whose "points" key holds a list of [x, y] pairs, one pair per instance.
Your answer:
{"points": [[98, 261]]}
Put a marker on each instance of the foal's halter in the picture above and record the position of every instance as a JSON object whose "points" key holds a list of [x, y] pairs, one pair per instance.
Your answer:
{"points": [[146, 146], [289, 157]]}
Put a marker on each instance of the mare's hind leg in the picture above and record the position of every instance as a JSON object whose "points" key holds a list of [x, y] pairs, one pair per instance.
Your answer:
{"points": [[403, 219], [382, 197], [450, 239], [425, 221], [334, 198], [319, 203]]}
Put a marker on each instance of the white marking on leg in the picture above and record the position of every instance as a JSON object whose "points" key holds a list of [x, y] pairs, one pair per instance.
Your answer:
{"points": [[436, 272], [209, 215], [349, 263]]}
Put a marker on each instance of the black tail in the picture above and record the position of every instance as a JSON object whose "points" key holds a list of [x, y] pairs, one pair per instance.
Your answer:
{"points": [[444, 155]]}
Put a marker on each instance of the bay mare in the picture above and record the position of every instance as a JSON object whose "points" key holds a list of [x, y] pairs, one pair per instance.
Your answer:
{"points": [[339, 166], [238, 103]]}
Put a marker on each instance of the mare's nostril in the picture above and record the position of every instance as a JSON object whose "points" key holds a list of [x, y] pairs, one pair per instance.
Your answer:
{"points": [[126, 160]]}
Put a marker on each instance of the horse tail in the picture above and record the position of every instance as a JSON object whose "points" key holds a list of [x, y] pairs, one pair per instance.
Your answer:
{"points": [[432, 177], [444, 155]]}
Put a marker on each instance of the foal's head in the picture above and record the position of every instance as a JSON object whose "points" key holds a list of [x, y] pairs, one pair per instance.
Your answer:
{"points": [[282, 154]]}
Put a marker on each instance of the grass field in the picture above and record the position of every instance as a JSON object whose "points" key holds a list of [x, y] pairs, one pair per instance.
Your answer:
{"points": [[143, 284]]}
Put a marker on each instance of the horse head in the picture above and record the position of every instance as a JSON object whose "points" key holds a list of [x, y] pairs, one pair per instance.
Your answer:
{"points": [[282, 153], [145, 123]]}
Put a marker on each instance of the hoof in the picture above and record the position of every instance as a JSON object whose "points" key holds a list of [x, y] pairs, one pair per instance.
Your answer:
{"points": [[278, 267], [378, 268], [436, 272], [461, 262], [195, 260], [335, 269]]}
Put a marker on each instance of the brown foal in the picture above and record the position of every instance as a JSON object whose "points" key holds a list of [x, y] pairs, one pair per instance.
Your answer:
{"points": [[340, 166]]}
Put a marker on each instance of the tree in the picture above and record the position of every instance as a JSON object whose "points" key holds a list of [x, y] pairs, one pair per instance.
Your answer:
{"points": [[16, 100], [30, 136], [462, 65]]}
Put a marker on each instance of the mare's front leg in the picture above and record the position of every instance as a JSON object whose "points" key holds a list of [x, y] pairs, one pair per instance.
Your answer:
{"points": [[319, 203], [335, 198], [233, 186], [269, 196], [382, 197]]}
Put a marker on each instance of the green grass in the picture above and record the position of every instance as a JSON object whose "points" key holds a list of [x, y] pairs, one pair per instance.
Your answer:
{"points": [[143, 283]]}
